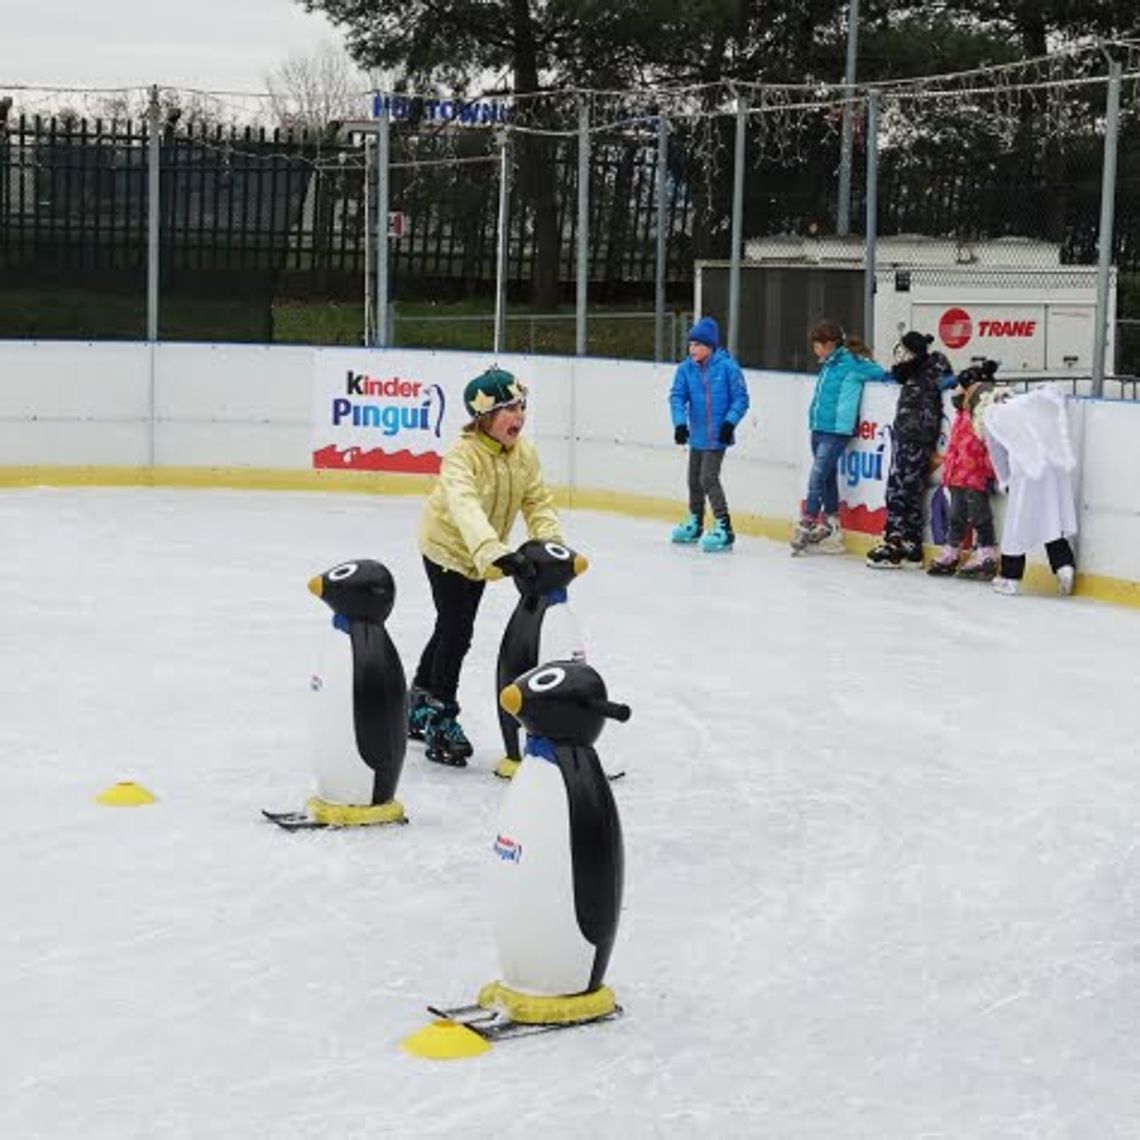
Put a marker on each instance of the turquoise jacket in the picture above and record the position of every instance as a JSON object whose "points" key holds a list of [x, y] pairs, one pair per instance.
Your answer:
{"points": [[839, 390]]}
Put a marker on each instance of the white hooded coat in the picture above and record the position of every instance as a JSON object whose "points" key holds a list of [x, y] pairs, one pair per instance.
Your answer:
{"points": [[1028, 441]]}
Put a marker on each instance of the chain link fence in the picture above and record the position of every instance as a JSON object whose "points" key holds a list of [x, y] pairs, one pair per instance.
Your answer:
{"points": [[623, 210]]}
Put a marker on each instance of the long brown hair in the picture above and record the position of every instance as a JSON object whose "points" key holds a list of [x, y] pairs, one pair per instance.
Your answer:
{"points": [[826, 332]]}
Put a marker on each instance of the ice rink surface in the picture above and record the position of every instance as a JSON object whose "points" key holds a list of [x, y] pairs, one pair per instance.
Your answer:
{"points": [[881, 864]]}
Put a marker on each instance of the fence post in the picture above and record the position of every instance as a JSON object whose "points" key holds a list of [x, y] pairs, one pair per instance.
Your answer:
{"points": [[583, 227], [153, 212], [380, 324], [1104, 240], [846, 145], [872, 223], [737, 225], [153, 222], [662, 248], [501, 258]]}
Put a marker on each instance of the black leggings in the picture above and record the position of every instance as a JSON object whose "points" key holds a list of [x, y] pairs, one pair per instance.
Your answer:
{"points": [[456, 603], [1059, 551], [970, 507]]}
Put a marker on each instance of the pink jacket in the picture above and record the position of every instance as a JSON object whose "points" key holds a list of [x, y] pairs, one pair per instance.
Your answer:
{"points": [[966, 462]]}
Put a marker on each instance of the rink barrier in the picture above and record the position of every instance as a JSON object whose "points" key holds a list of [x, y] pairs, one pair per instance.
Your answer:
{"points": [[1038, 578], [248, 417]]}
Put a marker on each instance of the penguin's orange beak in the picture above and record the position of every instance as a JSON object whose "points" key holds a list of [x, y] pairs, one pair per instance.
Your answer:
{"points": [[316, 586], [511, 699], [581, 564]]}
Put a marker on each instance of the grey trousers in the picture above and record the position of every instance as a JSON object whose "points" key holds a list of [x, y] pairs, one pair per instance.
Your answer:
{"points": [[704, 482]]}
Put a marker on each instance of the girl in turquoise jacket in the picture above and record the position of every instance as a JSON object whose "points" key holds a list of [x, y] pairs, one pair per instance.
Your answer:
{"points": [[832, 418]]}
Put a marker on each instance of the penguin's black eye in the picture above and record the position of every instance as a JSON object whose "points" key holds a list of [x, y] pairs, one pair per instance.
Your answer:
{"points": [[339, 573], [546, 679], [555, 550]]}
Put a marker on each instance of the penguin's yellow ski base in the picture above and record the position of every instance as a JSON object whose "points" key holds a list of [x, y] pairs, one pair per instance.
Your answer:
{"points": [[530, 1009], [502, 1013], [355, 815], [506, 768]]}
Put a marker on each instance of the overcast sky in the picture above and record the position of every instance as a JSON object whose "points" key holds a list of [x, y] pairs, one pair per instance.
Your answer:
{"points": [[211, 45]]}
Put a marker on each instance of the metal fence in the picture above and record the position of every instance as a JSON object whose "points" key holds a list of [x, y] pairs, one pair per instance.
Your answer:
{"points": [[195, 229]]}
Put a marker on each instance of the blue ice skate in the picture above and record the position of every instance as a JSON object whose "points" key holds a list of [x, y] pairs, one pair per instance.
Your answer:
{"points": [[689, 531], [719, 539]]}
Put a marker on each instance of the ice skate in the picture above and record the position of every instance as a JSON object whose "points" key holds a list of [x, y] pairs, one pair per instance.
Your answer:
{"points": [[418, 713], [1066, 577], [982, 565], [888, 555], [827, 536], [945, 564], [719, 539], [1007, 586], [688, 532], [802, 535], [445, 742]]}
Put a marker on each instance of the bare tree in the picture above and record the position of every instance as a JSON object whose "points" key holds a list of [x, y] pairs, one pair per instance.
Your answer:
{"points": [[309, 92]]}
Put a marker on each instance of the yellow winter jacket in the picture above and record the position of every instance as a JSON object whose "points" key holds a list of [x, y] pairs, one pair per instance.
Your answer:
{"points": [[469, 512]]}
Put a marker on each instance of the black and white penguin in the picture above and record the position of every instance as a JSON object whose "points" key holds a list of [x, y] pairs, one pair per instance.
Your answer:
{"points": [[559, 862], [359, 720], [541, 628]]}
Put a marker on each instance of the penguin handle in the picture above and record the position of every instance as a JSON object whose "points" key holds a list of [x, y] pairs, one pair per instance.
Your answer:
{"points": [[611, 710]]}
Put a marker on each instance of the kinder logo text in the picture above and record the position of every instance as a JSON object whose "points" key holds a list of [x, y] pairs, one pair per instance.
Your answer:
{"points": [[389, 406], [858, 466], [507, 849]]}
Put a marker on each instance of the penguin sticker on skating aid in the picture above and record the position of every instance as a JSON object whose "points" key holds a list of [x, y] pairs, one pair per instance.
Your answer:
{"points": [[358, 720], [541, 628], [558, 854]]}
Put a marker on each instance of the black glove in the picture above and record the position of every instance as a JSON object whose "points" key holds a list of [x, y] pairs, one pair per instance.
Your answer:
{"points": [[727, 433], [681, 434], [516, 565]]}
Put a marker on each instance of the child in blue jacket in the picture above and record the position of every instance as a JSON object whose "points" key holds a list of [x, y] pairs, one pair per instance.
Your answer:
{"points": [[708, 399]]}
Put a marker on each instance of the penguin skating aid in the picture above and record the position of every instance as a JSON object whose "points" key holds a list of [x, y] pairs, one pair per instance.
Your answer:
{"points": [[359, 706], [559, 870], [541, 628]]}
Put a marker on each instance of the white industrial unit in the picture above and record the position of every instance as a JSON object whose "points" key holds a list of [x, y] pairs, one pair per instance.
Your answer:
{"points": [[1010, 299]]}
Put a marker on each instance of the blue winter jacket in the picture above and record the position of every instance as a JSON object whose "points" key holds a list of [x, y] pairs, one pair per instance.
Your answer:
{"points": [[706, 396], [839, 390]]}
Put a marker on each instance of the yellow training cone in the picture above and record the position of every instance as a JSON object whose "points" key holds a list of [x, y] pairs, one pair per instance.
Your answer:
{"points": [[125, 794], [445, 1041]]}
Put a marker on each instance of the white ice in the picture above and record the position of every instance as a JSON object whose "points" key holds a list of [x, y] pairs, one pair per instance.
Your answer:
{"points": [[880, 839]]}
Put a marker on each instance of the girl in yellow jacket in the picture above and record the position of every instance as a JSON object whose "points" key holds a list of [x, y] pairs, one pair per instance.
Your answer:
{"points": [[487, 477]]}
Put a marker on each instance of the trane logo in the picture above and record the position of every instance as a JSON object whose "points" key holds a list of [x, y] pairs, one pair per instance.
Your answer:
{"points": [[956, 327], [1006, 328]]}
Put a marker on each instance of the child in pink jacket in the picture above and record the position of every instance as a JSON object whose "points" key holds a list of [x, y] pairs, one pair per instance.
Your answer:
{"points": [[968, 474]]}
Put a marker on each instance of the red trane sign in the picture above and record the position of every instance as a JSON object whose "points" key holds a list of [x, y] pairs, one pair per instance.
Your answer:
{"points": [[956, 326]]}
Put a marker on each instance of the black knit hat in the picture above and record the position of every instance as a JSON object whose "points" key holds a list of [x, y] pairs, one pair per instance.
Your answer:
{"points": [[917, 344]]}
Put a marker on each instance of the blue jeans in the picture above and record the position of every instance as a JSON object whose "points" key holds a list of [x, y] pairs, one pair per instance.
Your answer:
{"points": [[823, 482]]}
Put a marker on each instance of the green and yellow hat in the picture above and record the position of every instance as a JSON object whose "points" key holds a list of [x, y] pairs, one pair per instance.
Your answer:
{"points": [[495, 388]]}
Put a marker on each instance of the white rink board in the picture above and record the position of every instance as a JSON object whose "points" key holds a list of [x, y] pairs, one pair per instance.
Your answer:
{"points": [[601, 425]]}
